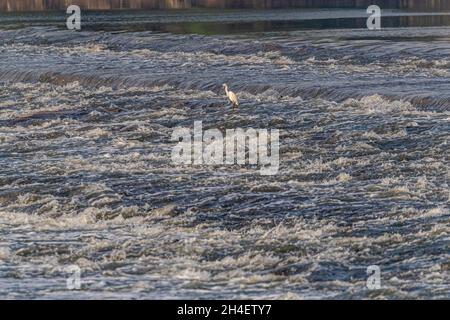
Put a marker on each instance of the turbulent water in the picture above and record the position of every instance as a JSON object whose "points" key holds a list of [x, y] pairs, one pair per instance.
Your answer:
{"points": [[86, 175]]}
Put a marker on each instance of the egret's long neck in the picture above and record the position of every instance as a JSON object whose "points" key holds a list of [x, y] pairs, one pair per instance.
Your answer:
{"points": [[226, 90]]}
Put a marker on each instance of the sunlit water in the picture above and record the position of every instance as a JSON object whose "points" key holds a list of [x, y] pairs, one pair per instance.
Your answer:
{"points": [[86, 175]]}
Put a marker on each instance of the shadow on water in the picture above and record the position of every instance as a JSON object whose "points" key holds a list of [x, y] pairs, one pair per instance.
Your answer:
{"points": [[208, 28], [201, 22]]}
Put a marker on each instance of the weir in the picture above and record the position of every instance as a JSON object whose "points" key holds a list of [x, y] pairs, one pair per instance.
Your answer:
{"points": [[42, 5]]}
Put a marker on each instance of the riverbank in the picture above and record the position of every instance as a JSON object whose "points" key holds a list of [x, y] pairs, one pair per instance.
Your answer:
{"points": [[43, 5]]}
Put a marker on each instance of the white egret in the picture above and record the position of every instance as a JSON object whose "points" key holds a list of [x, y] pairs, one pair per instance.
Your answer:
{"points": [[231, 96]]}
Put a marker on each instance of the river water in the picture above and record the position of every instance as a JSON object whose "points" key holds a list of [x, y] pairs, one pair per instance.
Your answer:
{"points": [[86, 175]]}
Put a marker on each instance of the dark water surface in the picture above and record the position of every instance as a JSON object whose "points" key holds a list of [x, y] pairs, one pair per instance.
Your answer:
{"points": [[210, 22], [86, 175]]}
